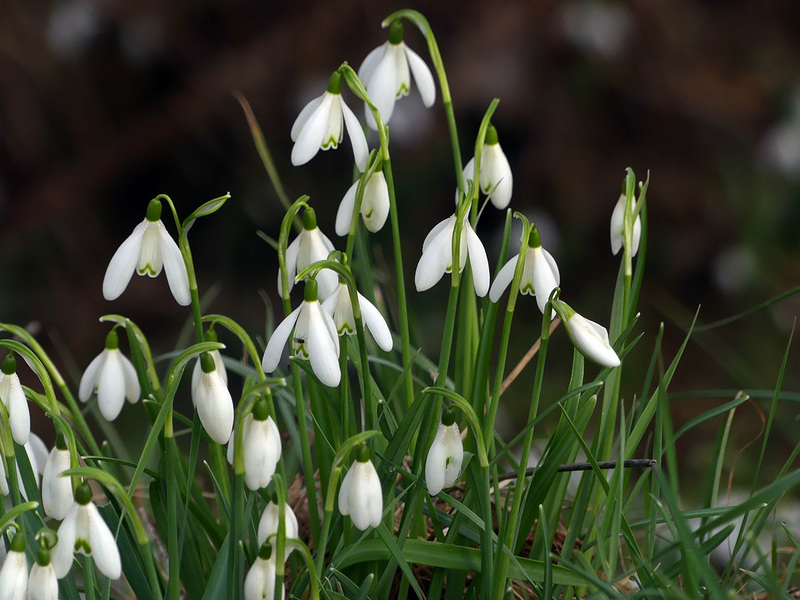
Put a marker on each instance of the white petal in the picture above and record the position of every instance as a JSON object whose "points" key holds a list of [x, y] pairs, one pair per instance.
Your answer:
{"points": [[272, 355], [376, 204], [37, 453], [268, 525], [132, 389], [19, 415], [468, 174], [617, 225], [323, 349], [111, 386], [301, 119], [478, 260], [123, 264], [344, 215], [89, 378], [544, 280], [292, 251], [366, 497], [374, 321], [503, 279], [382, 87], [357, 137], [312, 133], [260, 581], [215, 407], [454, 450], [422, 75], [440, 227], [591, 339], [259, 455], [175, 267], [56, 491], [61, 554], [14, 576], [433, 263], [499, 171], [344, 491], [435, 463], [371, 61], [104, 547], [42, 583], [637, 234]]}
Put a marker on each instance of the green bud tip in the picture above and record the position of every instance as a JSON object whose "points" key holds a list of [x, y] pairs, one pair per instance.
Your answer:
{"points": [[261, 410], [491, 136], [265, 551], [207, 363], [112, 340], [534, 239], [18, 543], [43, 556], [362, 455], [154, 210], [83, 493], [396, 32], [61, 442], [310, 294], [9, 364], [335, 83], [210, 335], [309, 219], [448, 418]]}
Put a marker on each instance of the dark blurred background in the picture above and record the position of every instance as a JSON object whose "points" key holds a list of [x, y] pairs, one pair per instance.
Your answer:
{"points": [[105, 104]]}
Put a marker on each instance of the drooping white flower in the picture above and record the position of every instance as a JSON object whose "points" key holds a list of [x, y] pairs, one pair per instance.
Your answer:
{"points": [[260, 581], [314, 338], [339, 307], [213, 402], [14, 573], [310, 246], [386, 74], [590, 338], [539, 277], [497, 182], [360, 495], [147, 250], [56, 490], [437, 256], [321, 124], [84, 530], [374, 205], [42, 583], [197, 371], [443, 465], [12, 395], [618, 227], [268, 525], [261, 446], [114, 378]]}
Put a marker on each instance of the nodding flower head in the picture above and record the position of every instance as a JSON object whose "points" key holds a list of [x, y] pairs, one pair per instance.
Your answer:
{"points": [[114, 378], [13, 397], [618, 227], [360, 495], [443, 465], [310, 246], [497, 182]]}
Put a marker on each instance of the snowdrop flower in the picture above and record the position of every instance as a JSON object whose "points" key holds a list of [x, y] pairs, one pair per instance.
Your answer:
{"points": [[315, 339], [210, 336], [84, 530], [497, 182], [437, 256], [14, 573], [443, 465], [146, 251], [374, 205], [261, 446], [213, 402], [42, 582], [360, 495], [618, 227], [590, 338], [268, 525], [11, 394], [319, 125], [113, 377], [56, 490], [310, 246], [540, 275], [260, 581], [385, 74], [339, 307]]}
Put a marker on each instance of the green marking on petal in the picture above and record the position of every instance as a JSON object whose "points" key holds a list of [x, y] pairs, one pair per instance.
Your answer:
{"points": [[82, 545], [147, 270], [403, 90], [331, 142]]}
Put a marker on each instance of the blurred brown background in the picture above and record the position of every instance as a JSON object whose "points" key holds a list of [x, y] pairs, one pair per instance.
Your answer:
{"points": [[104, 104]]}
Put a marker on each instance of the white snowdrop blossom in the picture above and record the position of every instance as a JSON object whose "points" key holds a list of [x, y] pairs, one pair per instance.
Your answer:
{"points": [[497, 182], [14, 573], [374, 205], [540, 275], [310, 246], [261, 446], [443, 465], [213, 402], [13, 397], [197, 371], [268, 524], [260, 581], [590, 338], [321, 125], [360, 495], [84, 530], [437, 256], [315, 338], [147, 250], [618, 227], [113, 377], [56, 490], [339, 307], [42, 583], [386, 74]]}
